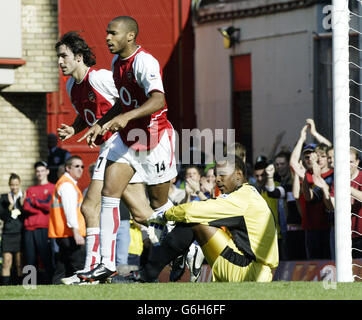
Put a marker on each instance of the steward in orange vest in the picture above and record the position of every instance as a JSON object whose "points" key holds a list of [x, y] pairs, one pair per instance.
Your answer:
{"points": [[58, 227]]}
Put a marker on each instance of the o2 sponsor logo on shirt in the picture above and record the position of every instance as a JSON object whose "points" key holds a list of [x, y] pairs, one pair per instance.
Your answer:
{"points": [[89, 117], [126, 98]]}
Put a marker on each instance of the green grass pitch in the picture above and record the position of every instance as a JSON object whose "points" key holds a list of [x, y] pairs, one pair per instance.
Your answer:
{"points": [[189, 291]]}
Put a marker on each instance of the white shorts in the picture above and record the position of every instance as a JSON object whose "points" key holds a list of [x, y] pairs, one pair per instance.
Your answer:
{"points": [[98, 173], [154, 166]]}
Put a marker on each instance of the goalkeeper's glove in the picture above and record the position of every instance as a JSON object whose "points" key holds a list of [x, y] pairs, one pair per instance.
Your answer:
{"points": [[157, 217]]}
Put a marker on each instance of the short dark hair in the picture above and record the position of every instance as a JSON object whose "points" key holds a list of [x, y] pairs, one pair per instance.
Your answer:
{"points": [[40, 164], [283, 154], [69, 161], [194, 166], [130, 22], [77, 45], [260, 165]]}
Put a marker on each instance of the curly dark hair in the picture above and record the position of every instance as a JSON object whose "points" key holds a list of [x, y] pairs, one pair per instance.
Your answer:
{"points": [[78, 46]]}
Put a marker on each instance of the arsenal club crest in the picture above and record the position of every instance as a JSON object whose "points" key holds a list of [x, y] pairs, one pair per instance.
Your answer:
{"points": [[92, 96], [129, 75]]}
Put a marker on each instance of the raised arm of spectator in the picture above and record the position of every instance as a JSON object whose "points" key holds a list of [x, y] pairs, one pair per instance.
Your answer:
{"points": [[296, 186], [273, 192], [322, 184], [316, 134], [297, 151]]}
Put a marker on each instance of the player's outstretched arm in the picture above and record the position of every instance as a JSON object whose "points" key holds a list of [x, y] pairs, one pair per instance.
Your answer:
{"points": [[297, 151], [153, 104], [99, 128]]}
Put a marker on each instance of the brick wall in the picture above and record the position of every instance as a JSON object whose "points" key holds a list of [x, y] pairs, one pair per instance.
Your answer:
{"points": [[23, 126], [39, 35], [23, 138]]}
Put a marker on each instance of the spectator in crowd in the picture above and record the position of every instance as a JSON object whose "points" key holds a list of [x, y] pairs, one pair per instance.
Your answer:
{"points": [[330, 156], [284, 177], [66, 222], [294, 236], [260, 176], [56, 157], [356, 192], [193, 188], [239, 150], [11, 206], [208, 184], [175, 194], [314, 201], [315, 220], [356, 198], [36, 223]]}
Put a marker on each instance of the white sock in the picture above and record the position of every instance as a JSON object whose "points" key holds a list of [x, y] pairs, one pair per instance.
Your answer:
{"points": [[108, 231], [93, 255], [169, 204], [157, 233]]}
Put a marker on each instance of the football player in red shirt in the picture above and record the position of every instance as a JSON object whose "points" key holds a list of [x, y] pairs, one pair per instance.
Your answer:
{"points": [[145, 142]]}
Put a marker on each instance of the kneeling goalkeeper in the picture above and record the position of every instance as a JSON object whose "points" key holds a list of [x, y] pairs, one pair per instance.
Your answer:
{"points": [[236, 231]]}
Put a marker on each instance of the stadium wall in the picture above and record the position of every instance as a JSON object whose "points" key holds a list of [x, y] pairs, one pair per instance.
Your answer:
{"points": [[279, 39], [23, 125]]}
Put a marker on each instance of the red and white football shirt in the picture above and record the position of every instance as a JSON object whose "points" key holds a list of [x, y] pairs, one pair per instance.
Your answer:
{"points": [[135, 78], [93, 97]]}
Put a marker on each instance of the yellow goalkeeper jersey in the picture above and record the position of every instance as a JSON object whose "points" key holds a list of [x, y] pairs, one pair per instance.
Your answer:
{"points": [[246, 216]]}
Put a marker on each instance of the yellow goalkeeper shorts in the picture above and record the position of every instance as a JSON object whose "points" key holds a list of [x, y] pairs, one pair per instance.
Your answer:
{"points": [[229, 264]]}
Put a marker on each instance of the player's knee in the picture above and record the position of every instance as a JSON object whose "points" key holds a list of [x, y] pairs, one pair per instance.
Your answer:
{"points": [[111, 191], [107, 192], [86, 209], [90, 212]]}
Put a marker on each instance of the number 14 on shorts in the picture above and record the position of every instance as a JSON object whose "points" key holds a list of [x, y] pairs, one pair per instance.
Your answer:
{"points": [[160, 166]]}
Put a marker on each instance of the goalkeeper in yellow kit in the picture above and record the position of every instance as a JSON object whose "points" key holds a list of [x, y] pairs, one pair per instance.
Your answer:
{"points": [[236, 231]]}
